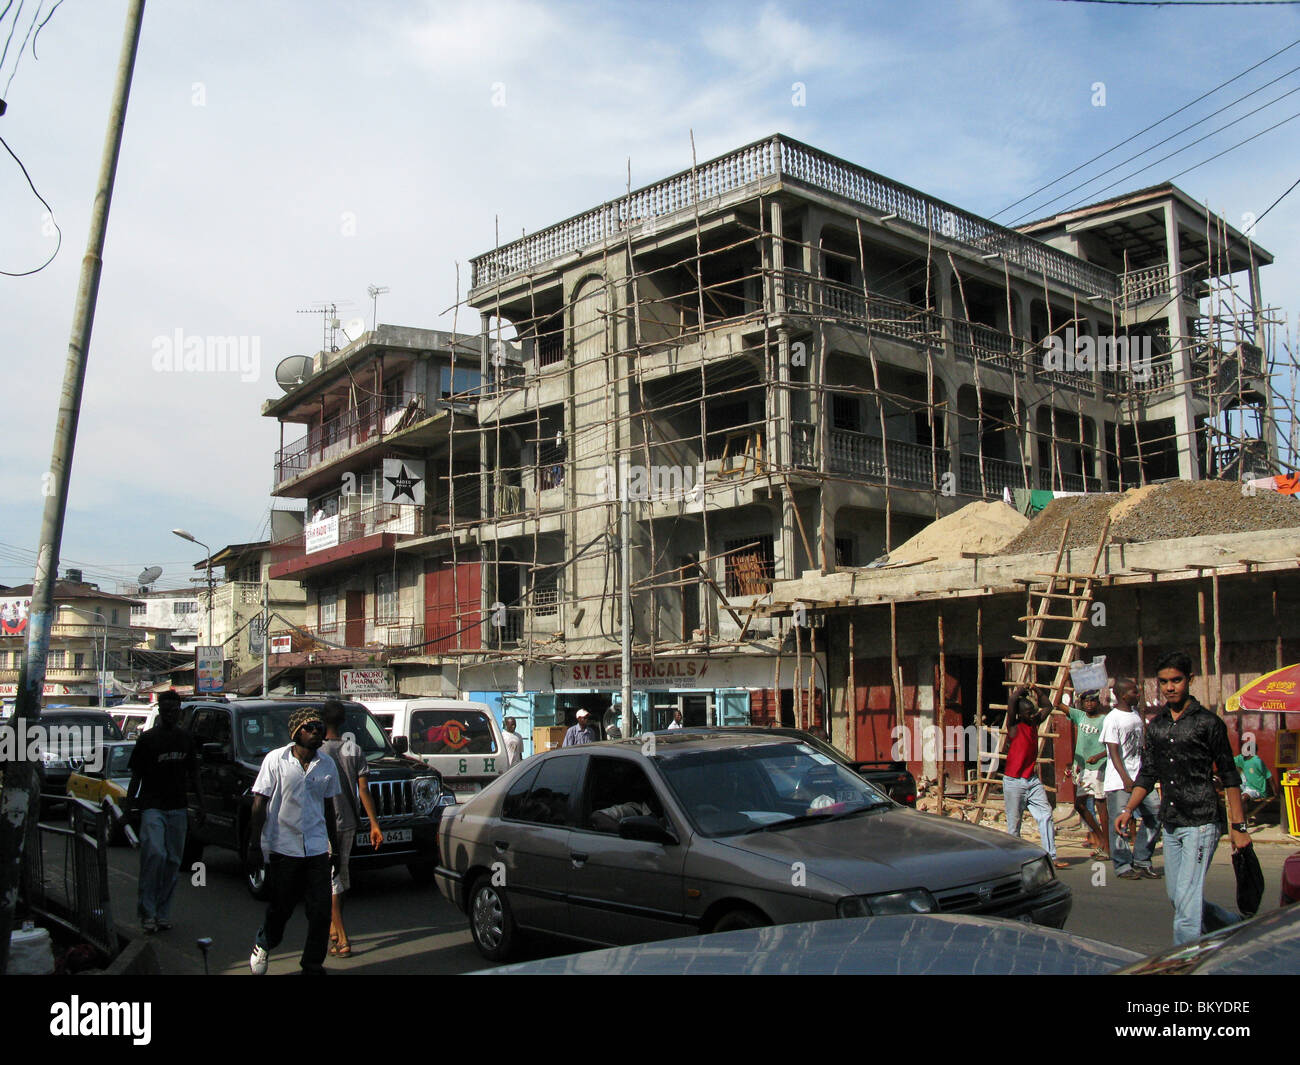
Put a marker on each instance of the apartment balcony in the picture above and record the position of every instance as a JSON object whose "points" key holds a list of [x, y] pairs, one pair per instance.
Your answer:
{"points": [[346, 434], [1149, 284], [987, 346], [121, 635], [998, 475], [348, 537], [864, 456], [780, 160], [361, 634]]}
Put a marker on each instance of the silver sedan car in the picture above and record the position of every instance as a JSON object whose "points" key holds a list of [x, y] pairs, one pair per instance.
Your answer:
{"points": [[678, 834]]}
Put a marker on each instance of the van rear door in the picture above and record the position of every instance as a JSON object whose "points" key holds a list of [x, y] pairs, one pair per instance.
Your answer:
{"points": [[462, 741]]}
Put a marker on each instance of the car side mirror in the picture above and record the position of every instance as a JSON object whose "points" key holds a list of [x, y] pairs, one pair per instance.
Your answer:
{"points": [[400, 745], [645, 829]]}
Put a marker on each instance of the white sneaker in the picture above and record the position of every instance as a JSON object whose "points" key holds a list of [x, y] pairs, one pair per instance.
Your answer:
{"points": [[258, 960]]}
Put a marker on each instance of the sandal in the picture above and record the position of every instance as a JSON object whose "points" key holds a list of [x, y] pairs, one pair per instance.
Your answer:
{"points": [[1060, 864], [341, 950]]}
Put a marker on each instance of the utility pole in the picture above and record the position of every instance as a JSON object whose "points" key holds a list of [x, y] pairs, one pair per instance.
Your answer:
{"points": [[20, 775], [266, 627]]}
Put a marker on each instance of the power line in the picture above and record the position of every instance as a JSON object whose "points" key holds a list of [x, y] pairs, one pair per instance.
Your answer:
{"points": [[1139, 133], [1045, 204], [1277, 201], [53, 221]]}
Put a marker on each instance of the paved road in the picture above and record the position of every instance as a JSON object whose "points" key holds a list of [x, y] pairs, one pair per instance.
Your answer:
{"points": [[399, 928]]}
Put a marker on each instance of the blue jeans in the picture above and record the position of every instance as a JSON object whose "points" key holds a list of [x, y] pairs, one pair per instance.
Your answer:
{"points": [[1018, 793], [162, 841], [1121, 854], [1188, 853]]}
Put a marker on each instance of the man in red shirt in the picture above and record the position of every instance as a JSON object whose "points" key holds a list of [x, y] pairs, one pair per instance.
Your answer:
{"points": [[1020, 784]]}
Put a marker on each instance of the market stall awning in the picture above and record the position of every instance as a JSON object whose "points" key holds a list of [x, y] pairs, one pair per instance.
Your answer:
{"points": [[1278, 691]]}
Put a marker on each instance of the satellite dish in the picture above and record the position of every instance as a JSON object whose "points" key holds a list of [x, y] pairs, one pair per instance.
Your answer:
{"points": [[293, 371], [150, 575]]}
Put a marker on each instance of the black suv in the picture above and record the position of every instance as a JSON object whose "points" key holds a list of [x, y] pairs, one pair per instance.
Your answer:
{"points": [[234, 737]]}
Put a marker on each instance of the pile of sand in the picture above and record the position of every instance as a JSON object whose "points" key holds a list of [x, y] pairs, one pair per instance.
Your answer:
{"points": [[1157, 512], [983, 528]]}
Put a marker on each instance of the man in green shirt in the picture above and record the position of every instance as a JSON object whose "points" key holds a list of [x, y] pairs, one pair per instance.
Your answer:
{"points": [[1089, 762], [1255, 777]]}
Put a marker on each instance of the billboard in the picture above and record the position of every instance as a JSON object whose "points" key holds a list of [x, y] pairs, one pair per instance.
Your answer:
{"points": [[13, 616], [209, 669]]}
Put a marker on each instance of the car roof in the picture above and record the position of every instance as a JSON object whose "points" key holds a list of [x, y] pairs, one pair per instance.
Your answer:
{"points": [[78, 711], [704, 740]]}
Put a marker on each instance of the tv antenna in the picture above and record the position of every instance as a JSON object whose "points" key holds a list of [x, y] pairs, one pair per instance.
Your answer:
{"points": [[375, 292], [330, 323]]}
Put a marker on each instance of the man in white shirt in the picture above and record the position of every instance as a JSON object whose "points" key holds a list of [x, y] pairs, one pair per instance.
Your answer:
{"points": [[513, 742], [293, 825], [1122, 733], [677, 719]]}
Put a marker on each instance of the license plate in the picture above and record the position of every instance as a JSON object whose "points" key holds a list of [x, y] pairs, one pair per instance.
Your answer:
{"points": [[465, 787], [393, 835]]}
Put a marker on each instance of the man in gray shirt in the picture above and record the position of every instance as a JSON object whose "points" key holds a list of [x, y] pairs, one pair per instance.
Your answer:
{"points": [[354, 782], [580, 733]]}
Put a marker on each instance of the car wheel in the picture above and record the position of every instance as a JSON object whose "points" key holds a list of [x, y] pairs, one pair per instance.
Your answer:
{"points": [[491, 922], [255, 878], [421, 872], [740, 918]]}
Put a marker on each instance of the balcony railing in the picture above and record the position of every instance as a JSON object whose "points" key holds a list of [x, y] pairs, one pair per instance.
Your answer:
{"points": [[371, 419], [981, 343], [864, 456], [399, 519], [780, 157], [842, 303], [511, 629], [1146, 284], [1068, 482], [386, 634], [998, 474]]}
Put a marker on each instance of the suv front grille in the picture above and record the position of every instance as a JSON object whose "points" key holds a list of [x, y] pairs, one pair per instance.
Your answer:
{"points": [[976, 898], [393, 798]]}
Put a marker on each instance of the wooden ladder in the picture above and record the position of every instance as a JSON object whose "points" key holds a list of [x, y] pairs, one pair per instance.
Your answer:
{"points": [[1052, 640]]}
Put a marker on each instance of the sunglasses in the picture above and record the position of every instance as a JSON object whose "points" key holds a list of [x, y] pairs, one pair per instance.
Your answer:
{"points": [[312, 726]]}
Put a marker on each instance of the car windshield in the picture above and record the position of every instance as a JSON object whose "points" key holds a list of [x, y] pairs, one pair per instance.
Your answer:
{"points": [[761, 786], [77, 734], [264, 729], [452, 732]]}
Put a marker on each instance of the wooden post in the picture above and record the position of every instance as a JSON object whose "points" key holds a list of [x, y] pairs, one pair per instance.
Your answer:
{"points": [[798, 677], [1141, 672], [1218, 646], [979, 684], [939, 717], [1200, 624], [812, 679], [893, 664], [1277, 630], [851, 726]]}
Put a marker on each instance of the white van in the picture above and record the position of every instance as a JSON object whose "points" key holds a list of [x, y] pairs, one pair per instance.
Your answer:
{"points": [[460, 739], [134, 718]]}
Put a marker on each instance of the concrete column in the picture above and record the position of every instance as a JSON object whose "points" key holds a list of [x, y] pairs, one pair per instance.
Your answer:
{"points": [[1184, 413], [487, 588]]}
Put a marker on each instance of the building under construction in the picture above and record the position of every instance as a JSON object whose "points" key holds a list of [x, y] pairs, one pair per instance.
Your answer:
{"points": [[781, 362]]}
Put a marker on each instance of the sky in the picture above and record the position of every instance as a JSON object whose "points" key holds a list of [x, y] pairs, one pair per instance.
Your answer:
{"points": [[285, 153]]}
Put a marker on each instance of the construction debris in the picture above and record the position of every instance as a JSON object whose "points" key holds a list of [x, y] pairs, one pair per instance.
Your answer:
{"points": [[978, 528], [1167, 511]]}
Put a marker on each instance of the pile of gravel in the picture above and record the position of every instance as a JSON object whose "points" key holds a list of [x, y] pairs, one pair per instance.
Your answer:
{"points": [[1158, 512]]}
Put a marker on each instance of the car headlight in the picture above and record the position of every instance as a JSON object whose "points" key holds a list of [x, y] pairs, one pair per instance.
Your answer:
{"points": [[1036, 875], [424, 793], [916, 900]]}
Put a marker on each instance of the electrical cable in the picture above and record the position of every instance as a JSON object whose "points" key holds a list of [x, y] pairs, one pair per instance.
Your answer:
{"points": [[53, 221], [1139, 133]]}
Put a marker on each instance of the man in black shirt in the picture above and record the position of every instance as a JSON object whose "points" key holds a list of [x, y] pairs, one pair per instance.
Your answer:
{"points": [[164, 759], [1185, 745]]}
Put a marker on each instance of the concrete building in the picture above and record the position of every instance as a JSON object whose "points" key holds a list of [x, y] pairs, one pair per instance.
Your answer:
{"points": [[91, 640], [371, 441], [786, 362]]}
